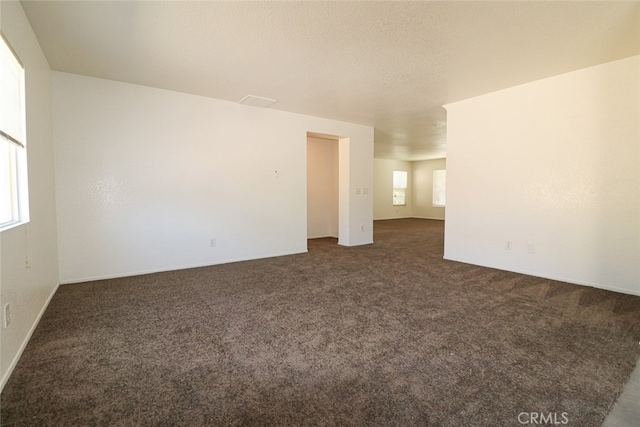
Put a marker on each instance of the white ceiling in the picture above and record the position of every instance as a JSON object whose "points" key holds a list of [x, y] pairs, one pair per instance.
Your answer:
{"points": [[390, 65]]}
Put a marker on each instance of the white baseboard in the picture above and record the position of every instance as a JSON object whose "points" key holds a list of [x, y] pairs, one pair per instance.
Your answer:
{"points": [[174, 268], [15, 360], [359, 244], [556, 278], [408, 217], [427, 217]]}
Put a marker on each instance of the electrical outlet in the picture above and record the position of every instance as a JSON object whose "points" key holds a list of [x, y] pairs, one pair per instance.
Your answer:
{"points": [[212, 242], [6, 315], [362, 228], [507, 245]]}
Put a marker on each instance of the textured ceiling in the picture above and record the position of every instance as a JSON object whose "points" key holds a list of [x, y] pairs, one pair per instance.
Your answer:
{"points": [[390, 65]]}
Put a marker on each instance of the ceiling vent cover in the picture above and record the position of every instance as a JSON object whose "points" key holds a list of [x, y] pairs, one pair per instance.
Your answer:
{"points": [[257, 101]]}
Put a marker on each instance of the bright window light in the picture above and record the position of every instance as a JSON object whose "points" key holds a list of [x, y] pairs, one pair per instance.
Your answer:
{"points": [[13, 158], [439, 186], [399, 188]]}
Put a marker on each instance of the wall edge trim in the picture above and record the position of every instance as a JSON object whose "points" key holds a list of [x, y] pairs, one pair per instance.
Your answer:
{"points": [[556, 278], [27, 338], [175, 268]]}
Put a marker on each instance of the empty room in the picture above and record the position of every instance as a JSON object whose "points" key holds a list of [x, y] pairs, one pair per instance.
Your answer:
{"points": [[319, 213]]}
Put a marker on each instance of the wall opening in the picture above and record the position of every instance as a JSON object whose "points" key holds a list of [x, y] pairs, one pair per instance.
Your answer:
{"points": [[322, 187]]}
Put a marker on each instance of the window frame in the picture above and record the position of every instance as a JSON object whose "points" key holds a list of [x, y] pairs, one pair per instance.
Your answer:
{"points": [[399, 188], [439, 190], [15, 198]]}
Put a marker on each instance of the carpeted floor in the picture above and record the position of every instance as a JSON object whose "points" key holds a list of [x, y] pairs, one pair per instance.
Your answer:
{"points": [[384, 335]]}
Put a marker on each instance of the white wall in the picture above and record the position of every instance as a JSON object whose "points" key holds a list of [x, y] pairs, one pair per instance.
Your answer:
{"points": [[355, 193], [383, 189], [422, 195], [145, 178], [322, 187], [554, 164], [29, 290]]}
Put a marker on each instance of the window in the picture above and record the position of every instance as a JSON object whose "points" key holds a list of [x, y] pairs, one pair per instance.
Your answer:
{"points": [[399, 188], [439, 186], [13, 197]]}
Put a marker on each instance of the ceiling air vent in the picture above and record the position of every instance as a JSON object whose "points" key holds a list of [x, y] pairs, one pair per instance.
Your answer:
{"points": [[257, 101]]}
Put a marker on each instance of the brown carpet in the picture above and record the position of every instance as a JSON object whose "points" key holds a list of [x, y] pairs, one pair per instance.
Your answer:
{"points": [[384, 335]]}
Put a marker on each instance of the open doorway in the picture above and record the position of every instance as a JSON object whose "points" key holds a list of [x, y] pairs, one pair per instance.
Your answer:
{"points": [[322, 189]]}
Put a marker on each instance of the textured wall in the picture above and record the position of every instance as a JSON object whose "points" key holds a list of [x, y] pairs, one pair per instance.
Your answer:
{"points": [[551, 166], [145, 178], [28, 290]]}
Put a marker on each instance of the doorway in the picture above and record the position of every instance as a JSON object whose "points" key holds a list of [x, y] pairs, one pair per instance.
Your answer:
{"points": [[322, 187]]}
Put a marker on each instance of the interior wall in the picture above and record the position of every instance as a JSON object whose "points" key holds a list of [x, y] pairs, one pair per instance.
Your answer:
{"points": [[422, 194], [551, 166], [322, 188], [355, 158], [27, 288], [150, 180], [383, 189]]}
